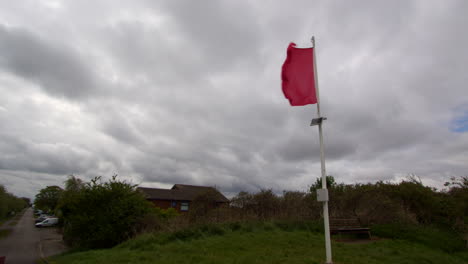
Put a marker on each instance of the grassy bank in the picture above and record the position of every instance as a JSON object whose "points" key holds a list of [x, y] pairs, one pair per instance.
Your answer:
{"points": [[8, 224], [446, 240], [254, 243]]}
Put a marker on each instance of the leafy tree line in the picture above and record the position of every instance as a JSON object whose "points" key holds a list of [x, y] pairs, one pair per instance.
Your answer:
{"points": [[10, 204], [100, 214], [407, 202]]}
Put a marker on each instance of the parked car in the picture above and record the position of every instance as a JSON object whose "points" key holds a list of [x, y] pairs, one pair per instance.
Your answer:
{"points": [[38, 212], [48, 222], [42, 217]]}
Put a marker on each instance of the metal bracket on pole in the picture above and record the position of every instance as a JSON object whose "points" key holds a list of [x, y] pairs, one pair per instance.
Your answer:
{"points": [[317, 121]]}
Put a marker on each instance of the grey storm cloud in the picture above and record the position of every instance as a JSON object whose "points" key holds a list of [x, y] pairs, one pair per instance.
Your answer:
{"points": [[58, 69], [186, 92], [222, 38], [44, 157]]}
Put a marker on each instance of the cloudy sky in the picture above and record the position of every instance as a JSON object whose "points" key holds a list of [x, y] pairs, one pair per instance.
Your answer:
{"points": [[164, 92]]}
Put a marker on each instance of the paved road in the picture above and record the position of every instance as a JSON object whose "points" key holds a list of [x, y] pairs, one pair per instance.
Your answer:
{"points": [[21, 246], [26, 244]]}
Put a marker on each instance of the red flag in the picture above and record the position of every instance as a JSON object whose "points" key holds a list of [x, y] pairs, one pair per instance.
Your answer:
{"points": [[298, 76]]}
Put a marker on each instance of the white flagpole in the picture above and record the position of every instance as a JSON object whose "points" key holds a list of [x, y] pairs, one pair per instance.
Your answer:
{"points": [[322, 160]]}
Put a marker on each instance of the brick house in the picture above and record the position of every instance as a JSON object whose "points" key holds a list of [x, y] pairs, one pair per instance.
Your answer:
{"points": [[180, 196]]}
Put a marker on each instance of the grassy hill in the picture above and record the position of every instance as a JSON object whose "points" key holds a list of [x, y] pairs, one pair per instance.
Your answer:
{"points": [[265, 243]]}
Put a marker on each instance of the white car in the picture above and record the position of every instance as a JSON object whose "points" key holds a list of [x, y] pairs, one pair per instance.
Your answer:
{"points": [[42, 217], [48, 222]]}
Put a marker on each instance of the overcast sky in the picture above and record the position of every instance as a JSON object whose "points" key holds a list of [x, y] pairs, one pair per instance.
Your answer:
{"points": [[165, 92]]}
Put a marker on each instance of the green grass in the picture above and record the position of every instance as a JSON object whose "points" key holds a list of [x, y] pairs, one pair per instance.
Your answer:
{"points": [[16, 219], [445, 240], [4, 220], [12, 220], [258, 243], [5, 226]]}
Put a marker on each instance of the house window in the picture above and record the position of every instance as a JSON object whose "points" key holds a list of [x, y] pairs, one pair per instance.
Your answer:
{"points": [[173, 204], [184, 206]]}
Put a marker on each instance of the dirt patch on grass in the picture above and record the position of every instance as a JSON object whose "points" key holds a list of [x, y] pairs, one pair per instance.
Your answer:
{"points": [[350, 240], [13, 223]]}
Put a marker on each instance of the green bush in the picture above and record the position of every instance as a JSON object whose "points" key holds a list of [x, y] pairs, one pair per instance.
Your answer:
{"points": [[157, 219], [101, 215]]}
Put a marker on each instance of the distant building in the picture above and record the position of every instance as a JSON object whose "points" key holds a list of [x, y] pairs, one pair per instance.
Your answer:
{"points": [[180, 196]]}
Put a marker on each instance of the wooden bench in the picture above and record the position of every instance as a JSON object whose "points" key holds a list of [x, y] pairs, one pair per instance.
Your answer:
{"points": [[348, 225]]}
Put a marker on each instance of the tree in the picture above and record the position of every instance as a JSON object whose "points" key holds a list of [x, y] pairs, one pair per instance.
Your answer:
{"points": [[242, 200], [26, 200], [67, 202], [461, 182], [9, 204], [47, 199], [73, 184], [318, 183], [455, 203]]}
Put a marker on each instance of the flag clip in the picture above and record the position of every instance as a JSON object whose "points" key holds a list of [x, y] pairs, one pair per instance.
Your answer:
{"points": [[317, 121]]}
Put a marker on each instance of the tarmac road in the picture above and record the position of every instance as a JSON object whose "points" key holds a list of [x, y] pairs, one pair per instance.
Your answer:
{"points": [[21, 246], [27, 244]]}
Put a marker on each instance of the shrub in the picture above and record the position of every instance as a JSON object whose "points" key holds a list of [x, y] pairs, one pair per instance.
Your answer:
{"points": [[100, 215], [158, 219]]}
